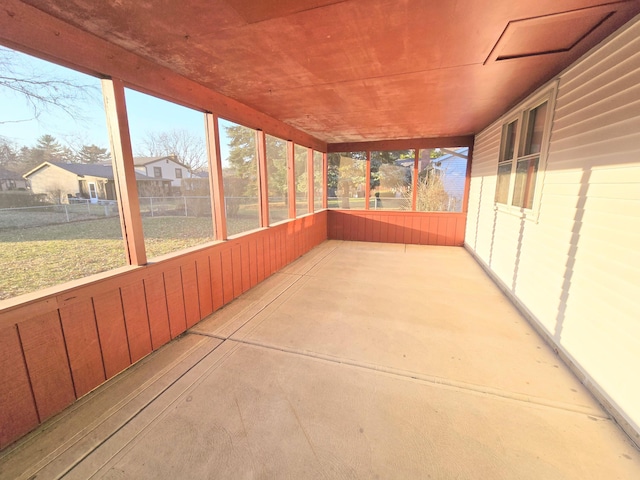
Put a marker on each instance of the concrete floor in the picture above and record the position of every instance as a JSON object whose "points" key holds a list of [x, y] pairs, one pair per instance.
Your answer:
{"points": [[359, 360]]}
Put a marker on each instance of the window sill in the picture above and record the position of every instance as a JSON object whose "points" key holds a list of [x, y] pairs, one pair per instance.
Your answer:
{"points": [[519, 212]]}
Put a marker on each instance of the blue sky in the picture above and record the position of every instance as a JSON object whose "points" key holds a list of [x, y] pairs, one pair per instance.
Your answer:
{"points": [[147, 114]]}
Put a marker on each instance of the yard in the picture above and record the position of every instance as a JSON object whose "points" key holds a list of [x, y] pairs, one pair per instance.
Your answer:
{"points": [[39, 257]]}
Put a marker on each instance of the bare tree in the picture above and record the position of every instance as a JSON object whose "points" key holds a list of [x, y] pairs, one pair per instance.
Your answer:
{"points": [[42, 90], [188, 148]]}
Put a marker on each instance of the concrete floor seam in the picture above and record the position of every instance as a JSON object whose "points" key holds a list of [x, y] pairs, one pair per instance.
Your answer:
{"points": [[436, 381]]}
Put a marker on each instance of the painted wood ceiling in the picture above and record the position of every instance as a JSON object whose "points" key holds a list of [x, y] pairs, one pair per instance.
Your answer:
{"points": [[358, 70]]}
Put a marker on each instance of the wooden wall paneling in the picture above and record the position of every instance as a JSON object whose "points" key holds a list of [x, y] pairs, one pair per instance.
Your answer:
{"points": [[279, 238], [433, 230], [227, 275], [112, 332], [236, 267], [461, 227], [408, 225], [47, 363], [217, 280], [157, 309], [424, 230], [205, 296], [83, 346], [253, 265], [246, 265], [442, 230], [18, 413], [136, 320], [376, 227], [369, 228], [269, 247], [414, 226], [273, 263], [175, 301], [362, 235], [400, 228], [390, 229], [260, 257], [451, 230], [191, 293]]}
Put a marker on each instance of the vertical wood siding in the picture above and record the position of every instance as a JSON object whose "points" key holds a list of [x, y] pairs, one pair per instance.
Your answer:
{"points": [[56, 349], [577, 269], [437, 228]]}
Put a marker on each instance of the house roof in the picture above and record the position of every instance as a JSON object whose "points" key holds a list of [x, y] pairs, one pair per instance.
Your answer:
{"points": [[341, 71], [98, 170], [142, 161]]}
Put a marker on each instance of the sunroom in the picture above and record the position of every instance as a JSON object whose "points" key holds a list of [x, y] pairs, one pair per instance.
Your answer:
{"points": [[400, 240]]}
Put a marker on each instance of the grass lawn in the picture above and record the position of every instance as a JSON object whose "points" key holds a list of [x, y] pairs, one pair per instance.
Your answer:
{"points": [[39, 257]]}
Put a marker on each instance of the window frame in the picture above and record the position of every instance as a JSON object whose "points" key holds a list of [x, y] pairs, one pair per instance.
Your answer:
{"points": [[178, 173], [521, 116], [156, 171]]}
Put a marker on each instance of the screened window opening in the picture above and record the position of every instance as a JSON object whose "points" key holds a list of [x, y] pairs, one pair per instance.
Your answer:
{"points": [[346, 179], [238, 148], [165, 137], [391, 180], [441, 179], [59, 215], [277, 179]]}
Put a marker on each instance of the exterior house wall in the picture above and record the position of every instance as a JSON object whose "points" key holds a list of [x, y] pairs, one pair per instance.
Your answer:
{"points": [[168, 167], [575, 270], [55, 182]]}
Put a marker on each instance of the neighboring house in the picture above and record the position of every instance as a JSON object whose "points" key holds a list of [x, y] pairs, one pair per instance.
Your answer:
{"points": [[12, 181], [62, 181], [166, 167], [452, 170]]}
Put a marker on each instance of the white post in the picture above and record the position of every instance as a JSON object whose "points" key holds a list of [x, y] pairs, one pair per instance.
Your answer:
{"points": [[185, 206], [151, 205], [66, 212]]}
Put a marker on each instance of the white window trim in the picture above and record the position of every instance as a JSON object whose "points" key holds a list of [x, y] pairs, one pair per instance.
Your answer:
{"points": [[548, 94]]}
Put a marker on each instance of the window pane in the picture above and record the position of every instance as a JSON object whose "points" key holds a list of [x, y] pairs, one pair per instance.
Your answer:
{"points": [[166, 139], [441, 179], [302, 200], [240, 177], [391, 180], [502, 184], [525, 183], [58, 222], [509, 139], [317, 181], [535, 129], [346, 179], [277, 179]]}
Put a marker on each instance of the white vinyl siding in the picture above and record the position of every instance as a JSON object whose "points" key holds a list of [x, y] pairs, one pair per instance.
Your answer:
{"points": [[576, 267]]}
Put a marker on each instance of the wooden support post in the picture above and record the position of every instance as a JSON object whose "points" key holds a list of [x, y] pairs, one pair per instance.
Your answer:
{"points": [[124, 173], [310, 181], [215, 177], [325, 176], [263, 177], [367, 181], [467, 181], [291, 178], [414, 182]]}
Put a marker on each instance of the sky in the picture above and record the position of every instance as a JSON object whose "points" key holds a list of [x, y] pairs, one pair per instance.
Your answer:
{"points": [[146, 114]]}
